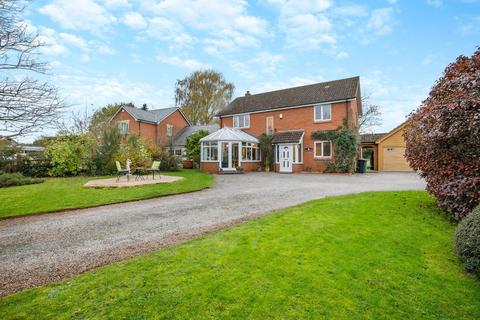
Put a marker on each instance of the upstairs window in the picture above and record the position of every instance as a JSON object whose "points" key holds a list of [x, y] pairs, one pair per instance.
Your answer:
{"points": [[123, 126], [241, 121], [270, 129], [169, 130], [322, 112]]}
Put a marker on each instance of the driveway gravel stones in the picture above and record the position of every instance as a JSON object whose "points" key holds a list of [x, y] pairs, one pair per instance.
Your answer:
{"points": [[35, 250]]}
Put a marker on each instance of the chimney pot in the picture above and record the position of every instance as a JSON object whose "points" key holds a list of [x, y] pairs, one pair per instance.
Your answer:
{"points": [[247, 93]]}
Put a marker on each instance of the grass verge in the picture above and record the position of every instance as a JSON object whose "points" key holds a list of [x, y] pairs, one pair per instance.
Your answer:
{"points": [[384, 255], [68, 193]]}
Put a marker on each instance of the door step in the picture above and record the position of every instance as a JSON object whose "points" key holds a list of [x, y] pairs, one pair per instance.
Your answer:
{"points": [[230, 171]]}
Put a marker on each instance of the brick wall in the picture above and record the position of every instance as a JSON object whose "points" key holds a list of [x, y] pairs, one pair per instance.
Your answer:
{"points": [[298, 119]]}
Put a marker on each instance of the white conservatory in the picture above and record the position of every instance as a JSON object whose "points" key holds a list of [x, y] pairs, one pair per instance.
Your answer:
{"points": [[227, 149]]}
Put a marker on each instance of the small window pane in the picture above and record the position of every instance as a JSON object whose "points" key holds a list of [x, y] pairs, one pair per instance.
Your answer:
{"points": [[318, 149], [327, 149], [327, 112], [318, 112]]}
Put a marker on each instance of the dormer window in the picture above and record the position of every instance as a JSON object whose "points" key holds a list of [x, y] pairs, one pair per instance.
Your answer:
{"points": [[322, 112], [241, 121]]}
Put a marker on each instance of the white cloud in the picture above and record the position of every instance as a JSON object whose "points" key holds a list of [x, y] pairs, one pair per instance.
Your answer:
{"points": [[353, 10], [262, 63], [305, 23], [166, 29], [191, 64], [79, 14], [134, 20], [342, 55], [51, 41], [117, 3], [222, 21], [381, 21], [435, 3], [74, 40]]}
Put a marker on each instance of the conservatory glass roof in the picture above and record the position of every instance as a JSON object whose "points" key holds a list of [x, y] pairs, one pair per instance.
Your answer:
{"points": [[229, 134]]}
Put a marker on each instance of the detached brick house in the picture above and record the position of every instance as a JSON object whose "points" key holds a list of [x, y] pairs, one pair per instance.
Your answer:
{"points": [[290, 115]]}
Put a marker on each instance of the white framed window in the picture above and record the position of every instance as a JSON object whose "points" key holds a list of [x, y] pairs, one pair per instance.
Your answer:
{"points": [[269, 129], [250, 152], [169, 130], [323, 149], [322, 112], [209, 151], [123, 126], [241, 121]]}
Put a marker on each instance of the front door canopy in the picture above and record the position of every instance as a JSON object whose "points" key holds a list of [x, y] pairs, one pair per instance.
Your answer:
{"points": [[229, 134]]}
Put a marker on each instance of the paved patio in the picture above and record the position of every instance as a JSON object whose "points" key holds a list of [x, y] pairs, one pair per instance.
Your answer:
{"points": [[132, 182], [38, 249]]}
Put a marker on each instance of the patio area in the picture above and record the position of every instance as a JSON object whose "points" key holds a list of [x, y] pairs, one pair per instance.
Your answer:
{"points": [[133, 182]]}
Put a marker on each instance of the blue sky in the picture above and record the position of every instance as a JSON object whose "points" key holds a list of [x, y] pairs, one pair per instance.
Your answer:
{"points": [[125, 50]]}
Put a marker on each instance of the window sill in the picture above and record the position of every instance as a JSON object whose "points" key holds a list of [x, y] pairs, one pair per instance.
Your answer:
{"points": [[210, 161], [322, 158], [322, 121]]}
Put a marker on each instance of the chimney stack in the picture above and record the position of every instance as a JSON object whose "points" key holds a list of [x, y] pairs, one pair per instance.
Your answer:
{"points": [[247, 93]]}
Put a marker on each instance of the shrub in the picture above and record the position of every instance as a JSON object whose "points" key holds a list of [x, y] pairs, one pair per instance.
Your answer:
{"points": [[267, 151], [467, 241], [34, 165], [168, 162], [16, 179], [70, 154], [443, 137], [107, 150], [137, 150], [193, 145]]}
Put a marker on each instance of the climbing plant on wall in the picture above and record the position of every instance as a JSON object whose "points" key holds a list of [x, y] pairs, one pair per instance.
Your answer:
{"points": [[344, 141]]}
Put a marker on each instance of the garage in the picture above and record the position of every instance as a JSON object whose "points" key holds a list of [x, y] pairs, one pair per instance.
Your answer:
{"points": [[391, 151], [394, 159]]}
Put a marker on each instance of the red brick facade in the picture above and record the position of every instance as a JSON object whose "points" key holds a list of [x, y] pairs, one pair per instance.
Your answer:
{"points": [[301, 118], [156, 133]]}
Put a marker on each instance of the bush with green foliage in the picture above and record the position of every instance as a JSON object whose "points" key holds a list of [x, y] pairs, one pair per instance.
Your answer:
{"points": [[443, 137], [193, 145], [70, 154], [107, 151], [16, 179], [136, 150], [168, 162], [34, 165], [266, 150], [467, 241], [344, 142]]}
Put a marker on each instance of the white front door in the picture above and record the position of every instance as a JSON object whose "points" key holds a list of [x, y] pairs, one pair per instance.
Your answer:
{"points": [[286, 158]]}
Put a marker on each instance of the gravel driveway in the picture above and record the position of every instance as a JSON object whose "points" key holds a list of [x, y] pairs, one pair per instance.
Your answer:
{"points": [[39, 249]]}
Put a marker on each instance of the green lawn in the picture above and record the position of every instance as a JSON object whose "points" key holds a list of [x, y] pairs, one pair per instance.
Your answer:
{"points": [[67, 193], [374, 255]]}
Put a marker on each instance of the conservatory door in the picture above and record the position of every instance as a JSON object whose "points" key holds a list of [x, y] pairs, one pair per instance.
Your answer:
{"points": [[230, 155]]}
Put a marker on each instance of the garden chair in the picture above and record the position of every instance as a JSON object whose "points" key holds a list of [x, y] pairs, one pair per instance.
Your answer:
{"points": [[121, 172], [155, 168]]}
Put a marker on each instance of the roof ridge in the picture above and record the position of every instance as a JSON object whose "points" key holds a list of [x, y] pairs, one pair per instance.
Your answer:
{"points": [[296, 87]]}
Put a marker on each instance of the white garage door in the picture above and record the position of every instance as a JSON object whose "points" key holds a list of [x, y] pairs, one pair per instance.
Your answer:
{"points": [[394, 159]]}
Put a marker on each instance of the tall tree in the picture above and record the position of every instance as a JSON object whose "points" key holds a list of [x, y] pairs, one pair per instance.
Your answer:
{"points": [[371, 116], [26, 105], [202, 94]]}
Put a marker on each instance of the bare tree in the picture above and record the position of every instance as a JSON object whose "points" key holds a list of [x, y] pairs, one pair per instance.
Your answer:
{"points": [[27, 105], [371, 116], [202, 94]]}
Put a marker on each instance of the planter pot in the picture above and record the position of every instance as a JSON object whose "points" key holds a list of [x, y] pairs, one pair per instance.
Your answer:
{"points": [[187, 164]]}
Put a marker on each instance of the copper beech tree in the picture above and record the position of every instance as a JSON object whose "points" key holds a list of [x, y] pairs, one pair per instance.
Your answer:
{"points": [[443, 137]]}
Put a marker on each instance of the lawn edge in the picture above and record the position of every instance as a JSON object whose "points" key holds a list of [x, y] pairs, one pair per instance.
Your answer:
{"points": [[67, 210]]}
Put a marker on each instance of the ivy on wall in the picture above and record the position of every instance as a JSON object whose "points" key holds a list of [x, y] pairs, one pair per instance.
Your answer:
{"points": [[344, 142]]}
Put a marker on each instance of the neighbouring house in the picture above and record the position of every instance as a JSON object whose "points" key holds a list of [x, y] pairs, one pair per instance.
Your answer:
{"points": [[160, 126], [387, 150], [290, 115], [179, 146]]}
